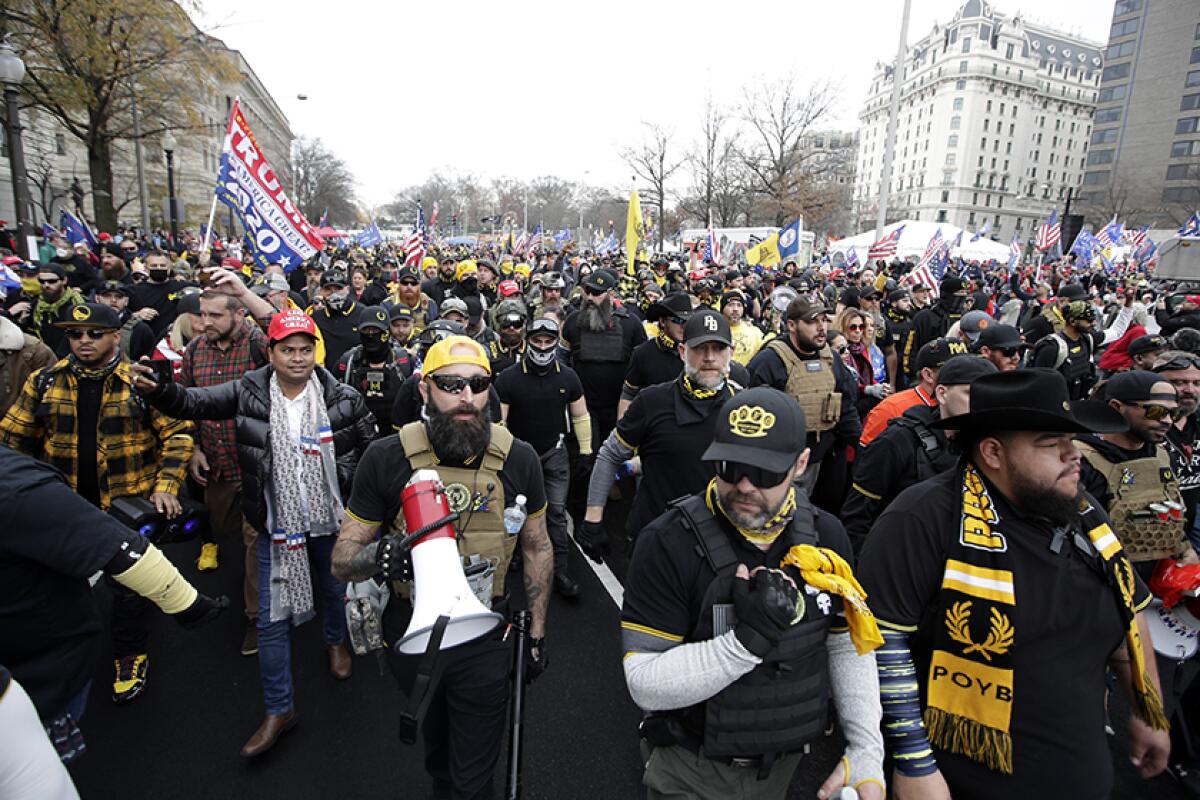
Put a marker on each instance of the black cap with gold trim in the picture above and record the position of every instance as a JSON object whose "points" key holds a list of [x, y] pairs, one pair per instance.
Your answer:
{"points": [[374, 317], [88, 315], [761, 427]]}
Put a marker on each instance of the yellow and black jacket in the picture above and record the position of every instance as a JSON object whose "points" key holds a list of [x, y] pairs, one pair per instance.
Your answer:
{"points": [[140, 450]]}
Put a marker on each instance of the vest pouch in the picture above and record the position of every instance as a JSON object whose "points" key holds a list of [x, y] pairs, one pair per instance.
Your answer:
{"points": [[480, 573], [602, 346], [494, 549], [831, 407], [375, 379]]}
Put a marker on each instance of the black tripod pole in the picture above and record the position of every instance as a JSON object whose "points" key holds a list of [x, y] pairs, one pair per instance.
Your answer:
{"points": [[516, 707]]}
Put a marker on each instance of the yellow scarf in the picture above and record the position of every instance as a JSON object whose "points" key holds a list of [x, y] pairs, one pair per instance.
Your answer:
{"points": [[768, 532], [824, 569]]}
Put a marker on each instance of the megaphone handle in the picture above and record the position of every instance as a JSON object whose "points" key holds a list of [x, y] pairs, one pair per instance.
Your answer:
{"points": [[521, 622], [428, 672], [408, 541]]}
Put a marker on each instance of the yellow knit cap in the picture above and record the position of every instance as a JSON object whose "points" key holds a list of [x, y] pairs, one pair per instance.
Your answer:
{"points": [[465, 268]]}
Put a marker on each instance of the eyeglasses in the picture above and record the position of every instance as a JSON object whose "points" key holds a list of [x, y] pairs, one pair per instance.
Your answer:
{"points": [[1008, 352], [95, 334], [733, 472], [49, 281], [1155, 412], [138, 277], [454, 384], [854, 327], [590, 292]]}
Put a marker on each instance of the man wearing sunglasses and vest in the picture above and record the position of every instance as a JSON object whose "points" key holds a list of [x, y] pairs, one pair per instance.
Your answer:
{"points": [[484, 469], [741, 619]]}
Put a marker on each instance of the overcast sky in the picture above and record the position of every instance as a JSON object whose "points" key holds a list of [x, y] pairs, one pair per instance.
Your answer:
{"points": [[533, 87]]}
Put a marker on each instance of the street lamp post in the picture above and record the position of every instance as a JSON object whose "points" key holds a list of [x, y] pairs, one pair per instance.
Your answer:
{"points": [[168, 146], [12, 72]]}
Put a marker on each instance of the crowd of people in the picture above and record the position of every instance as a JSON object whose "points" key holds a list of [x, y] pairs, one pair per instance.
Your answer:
{"points": [[947, 520]]}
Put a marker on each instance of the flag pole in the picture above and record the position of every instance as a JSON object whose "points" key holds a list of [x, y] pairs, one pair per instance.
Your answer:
{"points": [[212, 212]]}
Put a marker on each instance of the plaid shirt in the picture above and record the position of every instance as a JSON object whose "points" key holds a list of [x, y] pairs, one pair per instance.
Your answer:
{"points": [[140, 450], [204, 364]]}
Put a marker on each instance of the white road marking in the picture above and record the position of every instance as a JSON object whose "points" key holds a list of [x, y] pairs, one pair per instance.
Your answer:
{"points": [[607, 579]]}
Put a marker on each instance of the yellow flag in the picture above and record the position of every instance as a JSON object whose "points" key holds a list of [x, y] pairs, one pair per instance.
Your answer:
{"points": [[633, 231], [765, 253]]}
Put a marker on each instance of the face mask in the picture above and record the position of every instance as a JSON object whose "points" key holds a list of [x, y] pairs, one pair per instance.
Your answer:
{"points": [[160, 275], [541, 356], [337, 300], [375, 341], [470, 284], [31, 286], [62, 252]]}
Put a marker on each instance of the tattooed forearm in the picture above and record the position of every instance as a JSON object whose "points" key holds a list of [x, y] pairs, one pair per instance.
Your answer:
{"points": [[354, 553], [539, 570]]}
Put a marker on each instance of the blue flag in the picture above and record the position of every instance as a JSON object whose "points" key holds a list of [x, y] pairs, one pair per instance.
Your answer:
{"points": [[562, 236], [982, 231], [789, 240], [1191, 227], [48, 232], [369, 237], [76, 230]]}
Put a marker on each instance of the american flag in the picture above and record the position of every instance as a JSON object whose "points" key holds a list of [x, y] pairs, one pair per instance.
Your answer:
{"points": [[414, 246], [535, 240], [1137, 237], [1014, 253], [1049, 232], [1111, 233], [433, 215], [712, 248], [924, 271], [886, 246], [522, 240]]}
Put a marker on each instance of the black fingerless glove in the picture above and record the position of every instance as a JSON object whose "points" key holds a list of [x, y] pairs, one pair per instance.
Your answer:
{"points": [[534, 667], [202, 611], [765, 606], [393, 559]]}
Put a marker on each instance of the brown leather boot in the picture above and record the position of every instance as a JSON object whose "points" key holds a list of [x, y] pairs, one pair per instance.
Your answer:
{"points": [[273, 726], [340, 665]]}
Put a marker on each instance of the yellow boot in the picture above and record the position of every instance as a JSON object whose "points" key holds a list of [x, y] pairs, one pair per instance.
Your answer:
{"points": [[208, 557]]}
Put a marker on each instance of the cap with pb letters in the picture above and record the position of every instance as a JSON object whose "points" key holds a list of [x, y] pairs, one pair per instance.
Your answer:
{"points": [[761, 427], [707, 326], [89, 315], [374, 317]]}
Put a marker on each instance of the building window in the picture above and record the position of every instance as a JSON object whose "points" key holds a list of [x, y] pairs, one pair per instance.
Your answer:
{"points": [[1179, 172], [951, 159], [1105, 136], [1008, 51], [1120, 50], [1190, 102], [966, 44], [1008, 149], [962, 66], [985, 125], [960, 84], [1181, 194], [1193, 78], [953, 141], [1195, 55], [941, 216], [60, 144], [1108, 115], [1110, 93], [1187, 125], [1100, 157], [958, 103], [955, 123], [1115, 72], [1190, 148], [989, 106], [945, 196], [1126, 7], [1123, 28]]}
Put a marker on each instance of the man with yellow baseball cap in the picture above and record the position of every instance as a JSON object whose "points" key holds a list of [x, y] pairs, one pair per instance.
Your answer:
{"points": [[485, 471]]}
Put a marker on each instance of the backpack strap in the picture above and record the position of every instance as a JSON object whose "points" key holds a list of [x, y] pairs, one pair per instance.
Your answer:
{"points": [[711, 542]]}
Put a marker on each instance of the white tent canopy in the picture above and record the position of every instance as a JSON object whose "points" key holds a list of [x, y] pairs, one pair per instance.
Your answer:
{"points": [[915, 238]]}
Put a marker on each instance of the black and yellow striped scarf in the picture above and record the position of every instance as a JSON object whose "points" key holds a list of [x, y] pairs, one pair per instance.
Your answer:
{"points": [[971, 683], [768, 533]]}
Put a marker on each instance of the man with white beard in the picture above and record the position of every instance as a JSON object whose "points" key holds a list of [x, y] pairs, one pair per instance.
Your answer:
{"points": [[669, 425]]}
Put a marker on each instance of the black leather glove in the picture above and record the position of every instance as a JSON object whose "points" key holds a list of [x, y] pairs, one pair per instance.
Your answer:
{"points": [[765, 606], [593, 541], [584, 463], [393, 560], [202, 611], [534, 667]]}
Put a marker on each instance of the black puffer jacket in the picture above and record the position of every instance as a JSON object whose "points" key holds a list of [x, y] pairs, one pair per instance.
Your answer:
{"points": [[247, 400]]}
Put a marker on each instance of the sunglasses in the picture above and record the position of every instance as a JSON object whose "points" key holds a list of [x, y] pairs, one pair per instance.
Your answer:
{"points": [[138, 277], [1155, 412], [49, 281], [678, 320], [594, 292], [1008, 352], [454, 384], [733, 472], [95, 334], [854, 327], [409, 283]]}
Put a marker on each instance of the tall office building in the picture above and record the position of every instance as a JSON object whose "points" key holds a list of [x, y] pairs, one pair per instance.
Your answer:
{"points": [[995, 117], [1144, 161]]}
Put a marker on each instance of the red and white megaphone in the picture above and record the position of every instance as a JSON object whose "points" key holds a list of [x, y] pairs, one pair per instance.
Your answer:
{"points": [[440, 587]]}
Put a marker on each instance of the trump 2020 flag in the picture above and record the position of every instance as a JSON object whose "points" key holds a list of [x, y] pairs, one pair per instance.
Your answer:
{"points": [[369, 237], [247, 184], [76, 230]]}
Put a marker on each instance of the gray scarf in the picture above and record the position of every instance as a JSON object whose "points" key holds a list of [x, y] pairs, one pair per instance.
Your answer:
{"points": [[307, 466]]}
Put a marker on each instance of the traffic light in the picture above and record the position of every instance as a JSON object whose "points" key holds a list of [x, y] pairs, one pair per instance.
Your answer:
{"points": [[1072, 224]]}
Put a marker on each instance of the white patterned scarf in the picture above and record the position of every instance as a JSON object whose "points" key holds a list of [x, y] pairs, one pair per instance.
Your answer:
{"points": [[300, 468]]}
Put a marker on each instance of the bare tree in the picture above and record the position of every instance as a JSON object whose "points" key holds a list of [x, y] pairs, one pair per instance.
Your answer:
{"points": [[781, 114], [654, 162], [710, 154], [322, 183]]}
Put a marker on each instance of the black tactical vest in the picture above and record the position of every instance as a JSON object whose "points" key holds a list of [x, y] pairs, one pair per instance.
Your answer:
{"points": [[782, 704]]}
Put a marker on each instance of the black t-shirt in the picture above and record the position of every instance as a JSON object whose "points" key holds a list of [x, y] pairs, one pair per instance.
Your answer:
{"points": [[1184, 446], [1067, 624], [602, 379], [652, 363], [537, 404], [340, 332], [161, 297], [668, 578], [384, 470], [51, 541]]}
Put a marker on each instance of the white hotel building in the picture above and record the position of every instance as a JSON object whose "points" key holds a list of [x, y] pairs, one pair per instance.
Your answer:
{"points": [[994, 122]]}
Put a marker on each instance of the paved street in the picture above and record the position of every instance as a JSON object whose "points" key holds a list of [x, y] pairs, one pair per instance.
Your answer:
{"points": [[181, 739]]}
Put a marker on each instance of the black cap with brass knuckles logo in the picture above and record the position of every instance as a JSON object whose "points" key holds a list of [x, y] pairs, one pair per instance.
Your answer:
{"points": [[761, 427], [89, 315]]}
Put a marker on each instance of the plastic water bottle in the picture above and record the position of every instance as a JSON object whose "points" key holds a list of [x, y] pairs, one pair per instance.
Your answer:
{"points": [[515, 516]]}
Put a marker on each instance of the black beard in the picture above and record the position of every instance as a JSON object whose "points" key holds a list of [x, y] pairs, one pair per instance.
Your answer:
{"points": [[595, 318], [455, 440], [1036, 499]]}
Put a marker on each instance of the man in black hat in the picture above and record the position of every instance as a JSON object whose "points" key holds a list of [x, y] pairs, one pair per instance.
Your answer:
{"points": [[83, 417], [1069, 351], [137, 338], [1130, 471], [657, 360], [909, 450], [376, 367], [802, 365], [733, 655], [337, 317], [1000, 344], [408, 294], [601, 339], [998, 584], [1145, 350], [935, 322], [400, 322]]}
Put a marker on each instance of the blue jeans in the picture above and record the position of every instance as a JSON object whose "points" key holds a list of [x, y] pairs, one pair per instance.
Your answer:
{"points": [[274, 638]]}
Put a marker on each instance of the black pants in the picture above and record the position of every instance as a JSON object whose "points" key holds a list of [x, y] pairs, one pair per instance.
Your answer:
{"points": [[464, 728], [129, 629], [556, 472]]}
